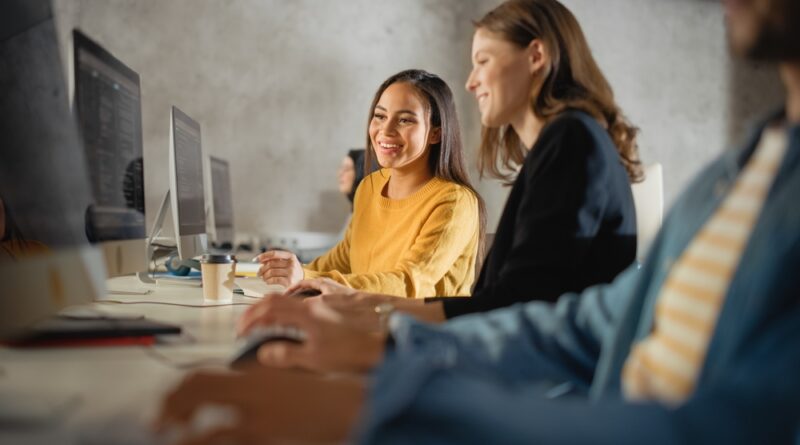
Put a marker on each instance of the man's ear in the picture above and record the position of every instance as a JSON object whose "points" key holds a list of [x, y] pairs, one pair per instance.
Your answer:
{"points": [[538, 57], [435, 136]]}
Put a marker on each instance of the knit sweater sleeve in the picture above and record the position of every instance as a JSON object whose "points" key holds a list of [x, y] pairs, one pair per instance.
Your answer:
{"points": [[338, 258], [443, 237]]}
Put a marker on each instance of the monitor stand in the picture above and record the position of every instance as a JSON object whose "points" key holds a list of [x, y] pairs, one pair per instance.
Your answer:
{"points": [[154, 241]]}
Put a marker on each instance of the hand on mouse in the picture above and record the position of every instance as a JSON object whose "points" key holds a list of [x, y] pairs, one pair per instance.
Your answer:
{"points": [[332, 343], [271, 405], [280, 267], [325, 286]]}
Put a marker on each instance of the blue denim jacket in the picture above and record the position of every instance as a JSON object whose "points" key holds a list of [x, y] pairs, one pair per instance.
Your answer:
{"points": [[494, 378]]}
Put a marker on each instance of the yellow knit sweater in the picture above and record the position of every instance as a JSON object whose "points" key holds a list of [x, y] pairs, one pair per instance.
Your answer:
{"points": [[420, 246]]}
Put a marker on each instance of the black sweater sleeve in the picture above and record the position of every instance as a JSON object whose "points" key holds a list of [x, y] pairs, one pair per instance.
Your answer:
{"points": [[559, 211]]}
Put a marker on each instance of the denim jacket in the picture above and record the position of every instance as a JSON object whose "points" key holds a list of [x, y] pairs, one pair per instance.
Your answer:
{"points": [[550, 373]]}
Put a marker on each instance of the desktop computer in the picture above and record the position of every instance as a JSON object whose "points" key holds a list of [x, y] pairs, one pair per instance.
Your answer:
{"points": [[221, 214], [107, 104], [46, 262], [186, 186], [184, 201]]}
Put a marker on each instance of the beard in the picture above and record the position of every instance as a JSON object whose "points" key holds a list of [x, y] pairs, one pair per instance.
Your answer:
{"points": [[778, 34]]}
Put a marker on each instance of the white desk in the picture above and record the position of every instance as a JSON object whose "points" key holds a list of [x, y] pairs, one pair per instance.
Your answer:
{"points": [[114, 392]]}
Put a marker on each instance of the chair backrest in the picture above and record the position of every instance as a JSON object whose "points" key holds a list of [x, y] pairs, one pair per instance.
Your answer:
{"points": [[648, 198]]}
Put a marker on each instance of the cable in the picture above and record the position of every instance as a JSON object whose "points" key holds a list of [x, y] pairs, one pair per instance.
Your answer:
{"points": [[129, 292], [80, 313], [164, 246], [155, 354], [103, 317], [199, 306]]}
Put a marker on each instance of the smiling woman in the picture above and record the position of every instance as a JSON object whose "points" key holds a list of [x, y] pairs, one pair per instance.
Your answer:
{"points": [[418, 224]]}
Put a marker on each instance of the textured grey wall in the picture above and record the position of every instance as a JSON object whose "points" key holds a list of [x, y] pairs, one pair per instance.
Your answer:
{"points": [[282, 87]]}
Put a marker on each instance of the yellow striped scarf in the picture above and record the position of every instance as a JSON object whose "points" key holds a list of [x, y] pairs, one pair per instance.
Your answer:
{"points": [[665, 365]]}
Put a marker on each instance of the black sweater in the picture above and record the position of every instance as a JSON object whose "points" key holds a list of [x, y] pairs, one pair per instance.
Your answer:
{"points": [[569, 221]]}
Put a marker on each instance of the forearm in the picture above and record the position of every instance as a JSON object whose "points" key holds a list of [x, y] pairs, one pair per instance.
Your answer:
{"points": [[472, 409], [289, 404], [542, 341], [429, 312], [399, 283], [368, 352], [332, 403]]}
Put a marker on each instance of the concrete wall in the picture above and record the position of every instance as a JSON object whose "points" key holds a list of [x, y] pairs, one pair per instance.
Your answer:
{"points": [[282, 87]]}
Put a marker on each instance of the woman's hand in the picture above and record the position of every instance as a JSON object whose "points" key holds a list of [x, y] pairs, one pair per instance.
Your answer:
{"points": [[280, 267], [325, 286], [331, 344], [358, 308], [270, 406], [355, 309]]}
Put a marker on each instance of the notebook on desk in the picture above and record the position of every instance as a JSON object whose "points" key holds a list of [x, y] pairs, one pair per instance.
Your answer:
{"points": [[256, 287], [247, 269]]}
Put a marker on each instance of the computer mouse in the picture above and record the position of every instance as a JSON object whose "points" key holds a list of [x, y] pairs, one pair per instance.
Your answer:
{"points": [[248, 354], [308, 292]]}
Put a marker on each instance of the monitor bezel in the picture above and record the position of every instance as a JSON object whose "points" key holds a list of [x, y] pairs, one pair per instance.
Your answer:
{"points": [[127, 255], [222, 234], [189, 245], [79, 39]]}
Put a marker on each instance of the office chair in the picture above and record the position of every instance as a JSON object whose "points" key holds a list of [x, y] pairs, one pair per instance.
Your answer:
{"points": [[648, 198]]}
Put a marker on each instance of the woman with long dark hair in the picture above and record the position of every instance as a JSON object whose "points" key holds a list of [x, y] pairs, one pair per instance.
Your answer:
{"points": [[417, 226]]}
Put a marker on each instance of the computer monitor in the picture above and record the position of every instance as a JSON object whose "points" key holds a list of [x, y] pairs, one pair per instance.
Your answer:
{"points": [[46, 262], [221, 214], [107, 103], [187, 198]]}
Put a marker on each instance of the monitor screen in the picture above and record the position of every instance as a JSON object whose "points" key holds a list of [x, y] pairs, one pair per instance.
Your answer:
{"points": [[221, 190], [45, 261], [188, 174], [108, 107]]}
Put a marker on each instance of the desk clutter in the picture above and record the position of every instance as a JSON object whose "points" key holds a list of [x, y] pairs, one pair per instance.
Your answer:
{"points": [[98, 330], [122, 351]]}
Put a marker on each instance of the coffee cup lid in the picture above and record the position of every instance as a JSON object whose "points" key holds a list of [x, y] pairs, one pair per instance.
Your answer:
{"points": [[213, 258]]}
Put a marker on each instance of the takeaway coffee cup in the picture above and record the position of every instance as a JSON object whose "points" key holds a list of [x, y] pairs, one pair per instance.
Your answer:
{"points": [[218, 277]]}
